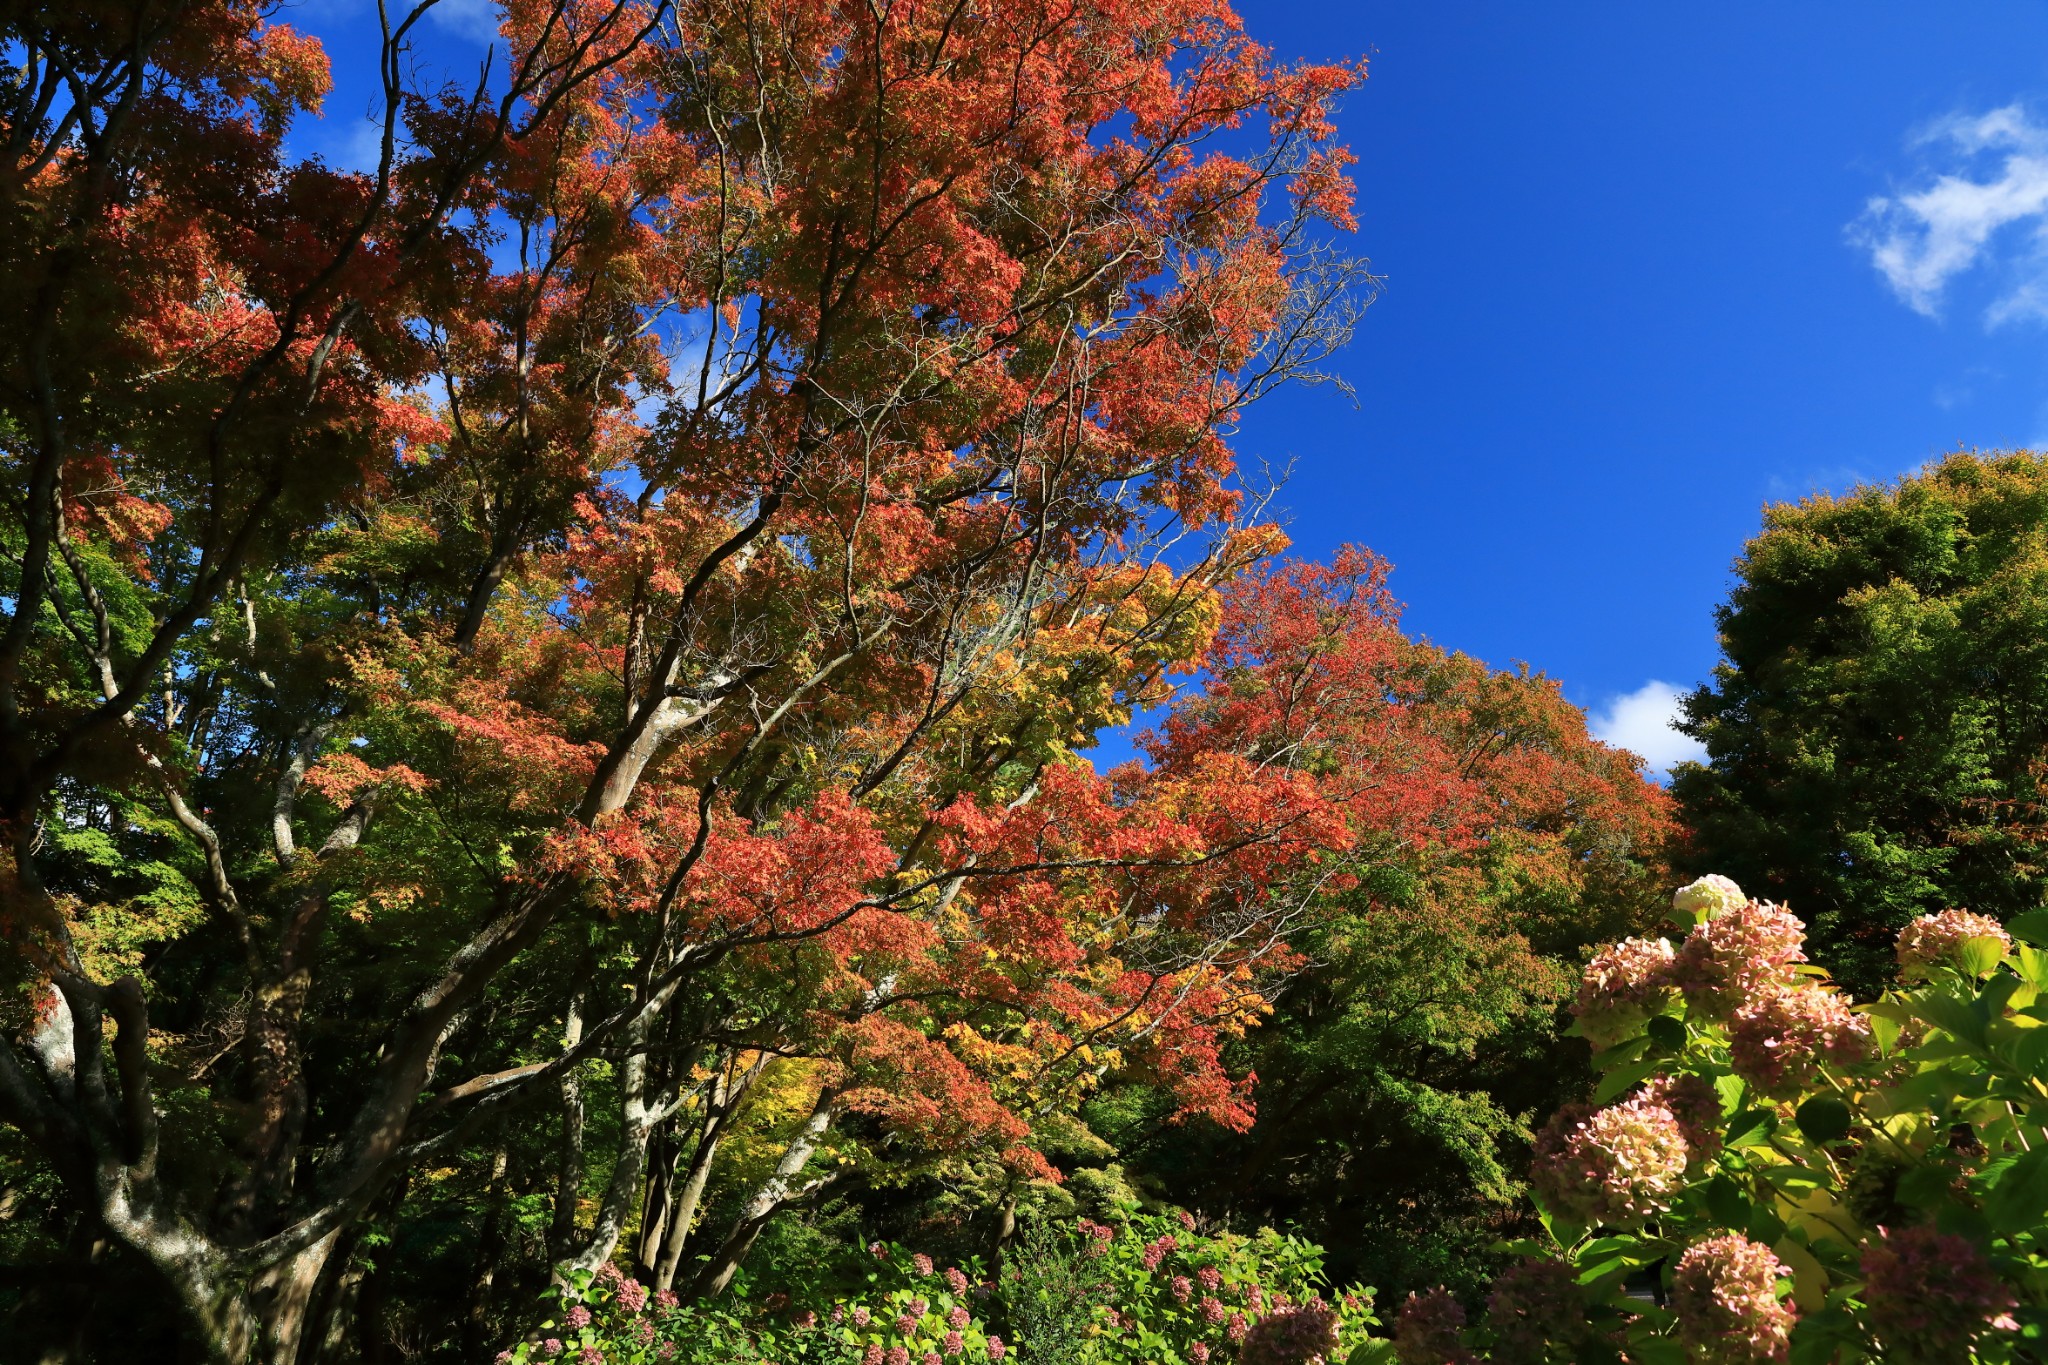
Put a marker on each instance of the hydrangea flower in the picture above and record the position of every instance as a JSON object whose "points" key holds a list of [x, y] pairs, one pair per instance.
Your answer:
{"points": [[952, 1345], [1238, 1326], [1198, 1352], [1724, 1292], [1935, 941], [957, 1318], [1731, 957], [1932, 1295], [1182, 1288], [1212, 1309], [1534, 1305], [906, 1326], [1624, 985], [956, 1279], [995, 1348], [860, 1316], [873, 1354], [1615, 1166], [1428, 1329], [1210, 1277], [1779, 1041], [1696, 1105], [898, 1355], [921, 1263], [632, 1296], [1707, 897], [1306, 1335], [1187, 1220]]}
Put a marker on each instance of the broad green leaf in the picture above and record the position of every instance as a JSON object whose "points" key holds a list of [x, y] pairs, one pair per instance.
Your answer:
{"points": [[2031, 927], [1751, 1128], [1825, 1118], [2019, 1195]]}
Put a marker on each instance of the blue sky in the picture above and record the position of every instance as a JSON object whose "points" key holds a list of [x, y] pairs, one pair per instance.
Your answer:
{"points": [[1646, 268]]}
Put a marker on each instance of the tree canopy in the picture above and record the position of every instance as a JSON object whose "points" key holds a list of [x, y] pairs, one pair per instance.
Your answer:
{"points": [[1876, 737]]}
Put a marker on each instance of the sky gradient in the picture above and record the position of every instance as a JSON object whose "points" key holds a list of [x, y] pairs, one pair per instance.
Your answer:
{"points": [[1646, 268]]}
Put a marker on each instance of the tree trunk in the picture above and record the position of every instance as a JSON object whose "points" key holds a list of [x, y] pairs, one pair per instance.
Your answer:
{"points": [[778, 1192], [569, 1174], [721, 1102]]}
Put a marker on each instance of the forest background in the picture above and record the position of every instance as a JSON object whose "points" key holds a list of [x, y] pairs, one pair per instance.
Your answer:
{"points": [[933, 978]]}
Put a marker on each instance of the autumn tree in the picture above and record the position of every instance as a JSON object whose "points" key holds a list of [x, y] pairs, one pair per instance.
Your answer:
{"points": [[1493, 842], [1877, 733], [614, 592]]}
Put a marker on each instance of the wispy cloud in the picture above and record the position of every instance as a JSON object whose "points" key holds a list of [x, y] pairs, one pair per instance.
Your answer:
{"points": [[1980, 175], [476, 20], [1641, 721]]}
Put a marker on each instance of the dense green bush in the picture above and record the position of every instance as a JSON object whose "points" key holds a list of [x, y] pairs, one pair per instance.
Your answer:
{"points": [[1150, 1291]]}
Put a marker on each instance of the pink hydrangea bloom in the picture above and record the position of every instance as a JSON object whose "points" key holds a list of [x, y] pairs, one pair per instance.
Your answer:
{"points": [[1624, 985], [1696, 1105], [590, 1355], [956, 1280], [632, 1296], [1237, 1328], [502, 1357], [995, 1348], [860, 1317], [1616, 1166], [953, 1344], [665, 1298], [551, 1347], [879, 1251], [1932, 1295], [1183, 1288], [579, 1316], [838, 1314], [918, 1307], [1212, 1309], [873, 1354], [1187, 1220], [1779, 1041], [1533, 1306], [1210, 1277], [921, 1263], [1298, 1336], [1198, 1351], [898, 1355], [1427, 1332], [906, 1326], [805, 1319], [1934, 941], [1733, 956], [644, 1330], [1711, 895], [1724, 1292], [668, 1350]]}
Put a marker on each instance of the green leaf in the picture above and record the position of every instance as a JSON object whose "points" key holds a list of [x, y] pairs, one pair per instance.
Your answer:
{"points": [[1751, 1128], [2031, 927], [2020, 1196], [1950, 1015], [1624, 1078], [1825, 1118], [1657, 1351], [1726, 1202], [1666, 1032], [1982, 955], [1371, 1352]]}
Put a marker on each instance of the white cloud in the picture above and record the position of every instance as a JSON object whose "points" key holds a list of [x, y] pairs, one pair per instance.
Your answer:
{"points": [[1995, 177], [1641, 721], [476, 20]]}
